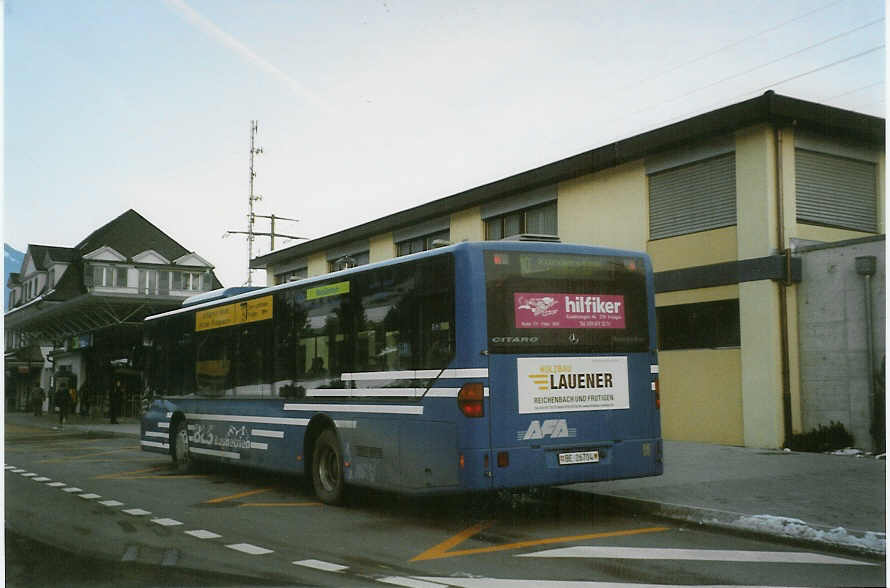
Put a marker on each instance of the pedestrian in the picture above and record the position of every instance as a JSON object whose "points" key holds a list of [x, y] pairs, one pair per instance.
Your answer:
{"points": [[63, 399], [38, 400], [116, 393]]}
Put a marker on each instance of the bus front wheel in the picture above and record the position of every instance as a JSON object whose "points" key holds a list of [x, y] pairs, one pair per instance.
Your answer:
{"points": [[180, 449], [327, 468]]}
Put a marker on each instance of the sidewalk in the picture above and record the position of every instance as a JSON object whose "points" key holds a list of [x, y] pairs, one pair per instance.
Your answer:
{"points": [[828, 501]]}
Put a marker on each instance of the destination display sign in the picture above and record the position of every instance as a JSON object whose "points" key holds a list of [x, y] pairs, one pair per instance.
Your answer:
{"points": [[248, 311]]}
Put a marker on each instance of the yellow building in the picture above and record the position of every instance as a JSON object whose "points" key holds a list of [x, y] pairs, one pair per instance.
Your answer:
{"points": [[717, 201]]}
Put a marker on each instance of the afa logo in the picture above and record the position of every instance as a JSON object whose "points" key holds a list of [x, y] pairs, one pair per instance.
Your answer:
{"points": [[553, 428]]}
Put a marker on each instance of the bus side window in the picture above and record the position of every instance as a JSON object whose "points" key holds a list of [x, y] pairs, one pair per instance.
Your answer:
{"points": [[213, 363]]}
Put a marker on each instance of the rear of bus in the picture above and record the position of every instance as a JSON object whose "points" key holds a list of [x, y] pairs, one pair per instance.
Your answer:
{"points": [[573, 371]]}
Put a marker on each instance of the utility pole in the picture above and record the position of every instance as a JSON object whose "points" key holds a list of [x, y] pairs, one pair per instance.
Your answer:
{"points": [[251, 216]]}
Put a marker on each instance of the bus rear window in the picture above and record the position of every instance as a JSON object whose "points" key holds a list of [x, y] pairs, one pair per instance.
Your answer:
{"points": [[561, 303]]}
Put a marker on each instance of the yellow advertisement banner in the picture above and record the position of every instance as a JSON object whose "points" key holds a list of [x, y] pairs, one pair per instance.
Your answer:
{"points": [[327, 290], [249, 311]]}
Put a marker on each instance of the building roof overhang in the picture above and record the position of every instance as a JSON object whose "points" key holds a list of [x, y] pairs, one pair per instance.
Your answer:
{"points": [[769, 108], [51, 320]]}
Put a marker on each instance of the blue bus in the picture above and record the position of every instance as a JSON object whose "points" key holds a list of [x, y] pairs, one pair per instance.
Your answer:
{"points": [[475, 366]]}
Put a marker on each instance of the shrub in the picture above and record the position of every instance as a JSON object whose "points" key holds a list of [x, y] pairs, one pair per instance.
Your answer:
{"points": [[823, 438]]}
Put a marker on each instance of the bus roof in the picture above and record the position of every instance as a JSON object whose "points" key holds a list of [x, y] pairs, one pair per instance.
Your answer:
{"points": [[232, 294]]}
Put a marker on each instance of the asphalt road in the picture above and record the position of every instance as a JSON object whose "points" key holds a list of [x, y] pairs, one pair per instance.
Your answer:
{"points": [[92, 511]]}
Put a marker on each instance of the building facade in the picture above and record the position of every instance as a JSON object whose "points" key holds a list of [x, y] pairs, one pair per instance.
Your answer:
{"points": [[75, 313], [717, 201]]}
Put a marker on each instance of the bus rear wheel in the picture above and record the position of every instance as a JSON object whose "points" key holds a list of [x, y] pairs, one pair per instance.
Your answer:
{"points": [[180, 446], [327, 468]]}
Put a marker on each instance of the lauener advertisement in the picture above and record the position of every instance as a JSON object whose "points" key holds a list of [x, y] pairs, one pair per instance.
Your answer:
{"points": [[566, 384]]}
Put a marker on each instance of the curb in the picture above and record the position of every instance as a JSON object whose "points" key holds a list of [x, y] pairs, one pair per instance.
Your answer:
{"points": [[846, 541]]}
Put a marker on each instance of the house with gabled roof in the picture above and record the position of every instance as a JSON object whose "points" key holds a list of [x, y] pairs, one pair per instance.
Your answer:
{"points": [[85, 304]]}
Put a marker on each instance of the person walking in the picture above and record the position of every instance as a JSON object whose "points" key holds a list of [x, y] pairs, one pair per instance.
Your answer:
{"points": [[63, 400]]}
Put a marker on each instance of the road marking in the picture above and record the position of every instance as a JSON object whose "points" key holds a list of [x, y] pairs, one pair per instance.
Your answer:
{"points": [[320, 565], [18, 471], [72, 489], [588, 551], [89, 496], [41, 479], [235, 496], [249, 549], [76, 457], [29, 475], [442, 550], [136, 512], [120, 475], [56, 484], [436, 582], [203, 534], [166, 522], [282, 504], [413, 582], [111, 503]]}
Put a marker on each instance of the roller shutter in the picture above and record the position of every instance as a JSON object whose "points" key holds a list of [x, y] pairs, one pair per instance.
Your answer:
{"points": [[836, 191], [695, 197]]}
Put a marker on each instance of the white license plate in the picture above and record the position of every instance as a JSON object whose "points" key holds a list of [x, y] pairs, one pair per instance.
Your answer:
{"points": [[579, 457]]}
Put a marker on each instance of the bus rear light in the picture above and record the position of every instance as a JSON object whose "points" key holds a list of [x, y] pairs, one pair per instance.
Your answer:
{"points": [[657, 391], [460, 460], [503, 459], [470, 400]]}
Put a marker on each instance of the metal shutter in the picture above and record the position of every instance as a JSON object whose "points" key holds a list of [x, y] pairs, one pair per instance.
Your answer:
{"points": [[692, 198], [836, 191]]}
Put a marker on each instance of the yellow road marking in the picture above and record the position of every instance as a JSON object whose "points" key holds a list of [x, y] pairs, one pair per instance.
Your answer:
{"points": [[235, 496], [76, 457], [120, 475], [274, 504], [441, 550]]}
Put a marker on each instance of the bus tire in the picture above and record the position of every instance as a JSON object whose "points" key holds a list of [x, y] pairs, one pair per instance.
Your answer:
{"points": [[327, 468], [179, 446]]}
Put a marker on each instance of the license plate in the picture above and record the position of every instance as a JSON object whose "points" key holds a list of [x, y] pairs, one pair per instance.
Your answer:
{"points": [[579, 457]]}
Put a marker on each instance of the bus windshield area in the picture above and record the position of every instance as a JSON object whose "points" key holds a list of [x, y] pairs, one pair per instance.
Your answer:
{"points": [[565, 303]]}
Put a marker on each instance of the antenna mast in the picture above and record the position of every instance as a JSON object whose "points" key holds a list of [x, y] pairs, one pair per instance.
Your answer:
{"points": [[251, 199]]}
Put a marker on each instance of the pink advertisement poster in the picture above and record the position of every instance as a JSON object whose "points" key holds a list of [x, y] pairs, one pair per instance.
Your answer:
{"points": [[568, 311]]}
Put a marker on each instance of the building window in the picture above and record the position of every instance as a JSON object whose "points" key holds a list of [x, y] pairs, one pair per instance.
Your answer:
{"points": [[539, 220], [697, 197], [422, 243], [292, 275], [836, 191], [702, 325], [148, 281], [348, 261]]}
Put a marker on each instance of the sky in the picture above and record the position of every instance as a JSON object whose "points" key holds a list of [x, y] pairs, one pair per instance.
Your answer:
{"points": [[366, 108]]}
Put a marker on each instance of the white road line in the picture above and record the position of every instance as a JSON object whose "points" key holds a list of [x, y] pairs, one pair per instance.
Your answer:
{"points": [[166, 522], [89, 496], [41, 479], [111, 503], [136, 512], [433, 582], [415, 582], [72, 489], [18, 470], [249, 549], [29, 475], [9, 467], [203, 534], [56, 484], [586, 551], [320, 565]]}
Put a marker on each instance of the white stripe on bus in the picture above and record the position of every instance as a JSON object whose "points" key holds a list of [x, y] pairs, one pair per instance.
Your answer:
{"points": [[265, 433], [155, 444], [255, 445], [415, 374], [248, 419], [163, 425], [384, 392], [157, 434], [215, 452], [360, 408], [653, 369]]}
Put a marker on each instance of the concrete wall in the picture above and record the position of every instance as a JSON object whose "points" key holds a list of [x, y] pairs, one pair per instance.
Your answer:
{"points": [[831, 311]]}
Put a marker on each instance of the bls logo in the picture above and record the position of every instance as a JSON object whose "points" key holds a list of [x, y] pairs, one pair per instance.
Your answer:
{"points": [[553, 428]]}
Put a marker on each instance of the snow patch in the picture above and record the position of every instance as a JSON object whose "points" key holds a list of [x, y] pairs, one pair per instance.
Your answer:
{"points": [[798, 529]]}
